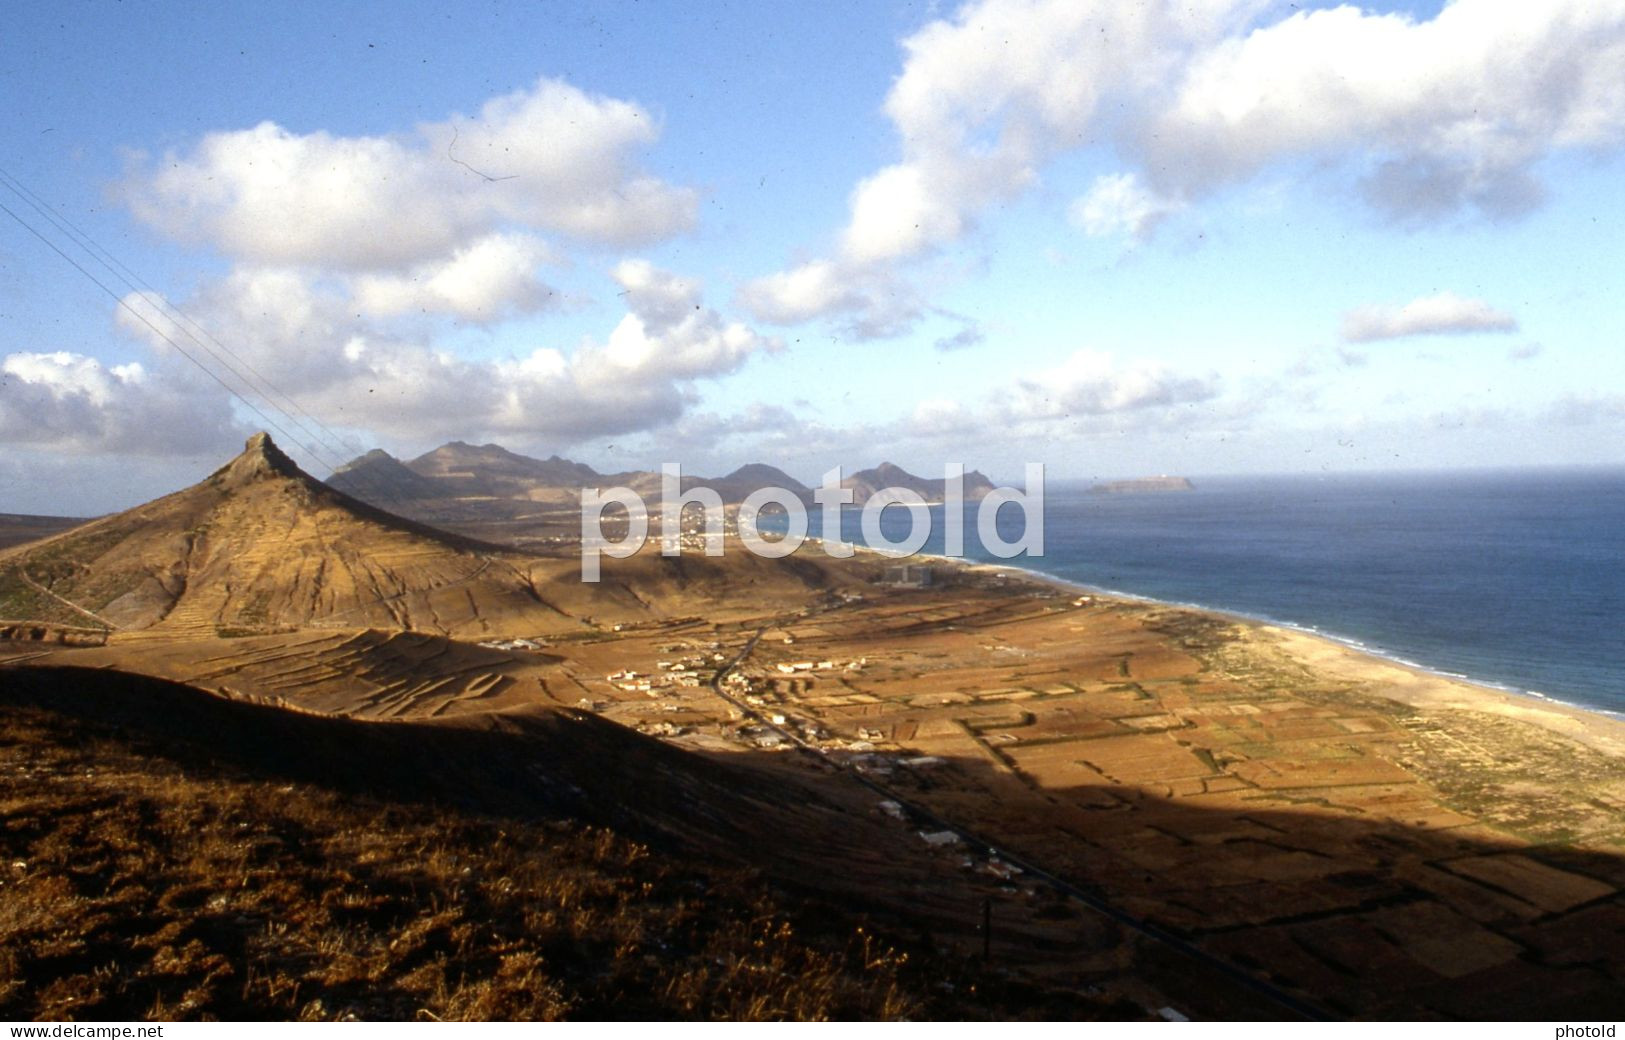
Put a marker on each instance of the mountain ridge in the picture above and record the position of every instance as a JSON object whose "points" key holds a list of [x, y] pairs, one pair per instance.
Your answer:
{"points": [[260, 546], [459, 470]]}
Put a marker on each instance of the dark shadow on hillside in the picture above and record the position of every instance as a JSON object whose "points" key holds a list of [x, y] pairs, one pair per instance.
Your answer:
{"points": [[1360, 917], [533, 764]]}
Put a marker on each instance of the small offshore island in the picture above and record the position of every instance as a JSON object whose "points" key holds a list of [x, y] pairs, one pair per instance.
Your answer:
{"points": [[1143, 485]]}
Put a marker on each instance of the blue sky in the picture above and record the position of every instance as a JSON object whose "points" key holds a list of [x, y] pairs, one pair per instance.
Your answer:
{"points": [[1232, 236]]}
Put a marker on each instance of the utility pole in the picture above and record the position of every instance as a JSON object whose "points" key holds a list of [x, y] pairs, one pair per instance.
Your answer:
{"points": [[987, 929]]}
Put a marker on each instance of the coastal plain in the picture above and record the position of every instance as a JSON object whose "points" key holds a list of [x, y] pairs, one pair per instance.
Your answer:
{"points": [[1378, 840], [1156, 805], [1386, 841]]}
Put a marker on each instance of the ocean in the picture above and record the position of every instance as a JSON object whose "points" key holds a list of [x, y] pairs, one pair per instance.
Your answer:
{"points": [[1510, 579]]}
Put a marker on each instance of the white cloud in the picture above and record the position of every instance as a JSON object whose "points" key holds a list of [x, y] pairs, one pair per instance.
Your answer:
{"points": [[342, 245], [1093, 383], [1451, 112], [669, 334], [361, 370], [984, 99], [552, 158], [872, 301], [798, 294], [899, 212], [1118, 204], [1431, 118], [1439, 314], [491, 278], [68, 402]]}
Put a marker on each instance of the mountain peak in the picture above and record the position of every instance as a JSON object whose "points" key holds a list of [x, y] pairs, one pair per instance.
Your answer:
{"points": [[261, 458]]}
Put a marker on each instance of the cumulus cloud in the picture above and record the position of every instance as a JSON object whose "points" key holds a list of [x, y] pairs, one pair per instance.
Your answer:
{"points": [[988, 95], [870, 301], [983, 100], [970, 334], [1450, 113], [1430, 118], [899, 212], [551, 158], [361, 371], [669, 334], [1118, 204], [341, 247], [73, 403], [1092, 383], [1443, 313], [799, 294], [492, 278]]}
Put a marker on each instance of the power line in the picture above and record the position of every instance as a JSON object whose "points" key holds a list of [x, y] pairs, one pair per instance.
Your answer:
{"points": [[181, 319], [254, 381], [250, 405]]}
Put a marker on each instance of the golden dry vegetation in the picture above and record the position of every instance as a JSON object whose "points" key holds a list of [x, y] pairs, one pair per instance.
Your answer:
{"points": [[148, 874], [1156, 806]]}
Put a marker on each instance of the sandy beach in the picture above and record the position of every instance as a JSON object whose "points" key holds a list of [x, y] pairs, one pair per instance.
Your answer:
{"points": [[1405, 683]]}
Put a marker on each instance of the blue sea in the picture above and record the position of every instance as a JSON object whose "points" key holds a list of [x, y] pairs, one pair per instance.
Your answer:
{"points": [[1511, 579]]}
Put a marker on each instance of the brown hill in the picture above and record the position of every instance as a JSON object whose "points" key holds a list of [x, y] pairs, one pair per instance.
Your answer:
{"points": [[1143, 485], [865, 484], [490, 470], [490, 492], [261, 546], [479, 488], [381, 478], [257, 545]]}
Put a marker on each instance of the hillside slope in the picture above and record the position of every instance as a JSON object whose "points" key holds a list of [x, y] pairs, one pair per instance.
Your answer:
{"points": [[173, 855], [260, 546]]}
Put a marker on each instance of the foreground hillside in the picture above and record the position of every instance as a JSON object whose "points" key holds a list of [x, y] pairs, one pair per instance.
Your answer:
{"points": [[171, 855]]}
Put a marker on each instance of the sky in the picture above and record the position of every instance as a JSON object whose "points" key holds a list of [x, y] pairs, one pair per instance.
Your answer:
{"points": [[1199, 237]]}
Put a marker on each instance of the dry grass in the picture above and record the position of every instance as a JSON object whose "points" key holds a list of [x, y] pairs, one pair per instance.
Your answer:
{"points": [[136, 887]]}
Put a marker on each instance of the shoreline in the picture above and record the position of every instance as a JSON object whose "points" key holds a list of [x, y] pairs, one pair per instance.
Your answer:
{"points": [[1355, 645], [1395, 678]]}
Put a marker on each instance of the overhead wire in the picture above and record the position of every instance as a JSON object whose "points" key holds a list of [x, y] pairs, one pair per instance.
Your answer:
{"points": [[322, 443], [254, 381], [193, 329]]}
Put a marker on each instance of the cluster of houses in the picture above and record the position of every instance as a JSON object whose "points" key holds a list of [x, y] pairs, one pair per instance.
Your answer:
{"points": [[632, 682], [689, 672], [990, 863], [513, 644], [801, 667], [865, 759]]}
